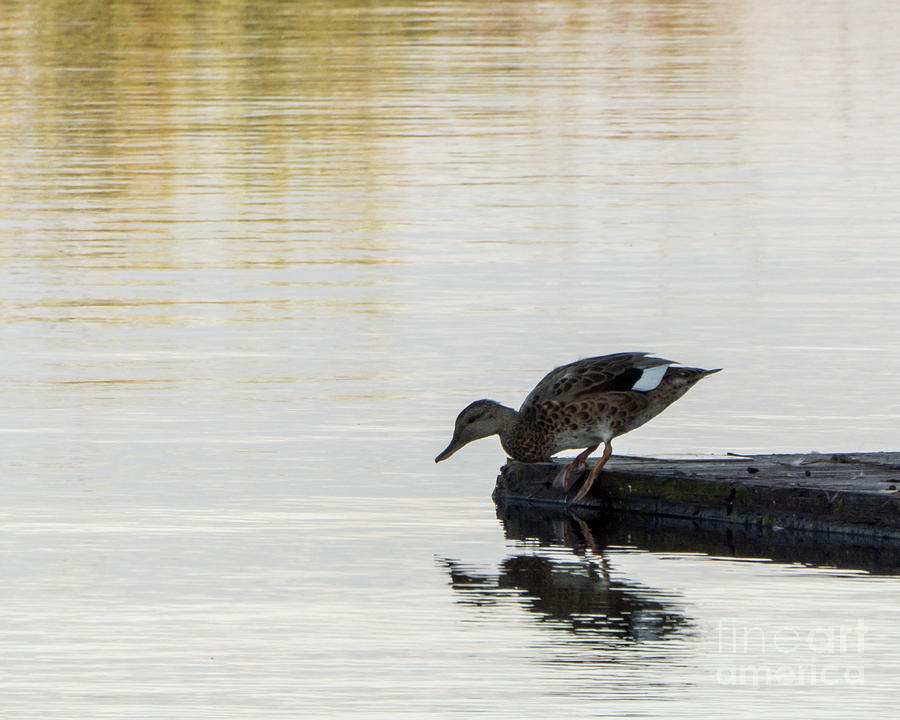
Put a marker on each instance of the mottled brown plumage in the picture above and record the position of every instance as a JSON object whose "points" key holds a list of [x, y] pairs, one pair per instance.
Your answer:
{"points": [[578, 405]]}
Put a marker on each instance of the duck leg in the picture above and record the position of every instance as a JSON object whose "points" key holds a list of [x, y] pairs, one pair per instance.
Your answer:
{"points": [[565, 479], [585, 489]]}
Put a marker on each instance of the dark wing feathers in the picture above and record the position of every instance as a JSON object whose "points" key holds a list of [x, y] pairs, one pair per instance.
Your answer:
{"points": [[592, 375], [625, 380]]}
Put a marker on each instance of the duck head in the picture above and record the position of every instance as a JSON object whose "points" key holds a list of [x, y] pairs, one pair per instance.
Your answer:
{"points": [[480, 419]]}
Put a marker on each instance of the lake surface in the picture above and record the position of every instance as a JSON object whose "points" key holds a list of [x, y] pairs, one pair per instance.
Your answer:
{"points": [[256, 256]]}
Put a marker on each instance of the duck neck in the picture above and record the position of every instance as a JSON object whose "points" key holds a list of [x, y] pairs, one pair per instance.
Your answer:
{"points": [[508, 429]]}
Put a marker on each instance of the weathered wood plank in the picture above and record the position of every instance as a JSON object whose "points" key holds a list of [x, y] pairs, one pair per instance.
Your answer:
{"points": [[853, 494]]}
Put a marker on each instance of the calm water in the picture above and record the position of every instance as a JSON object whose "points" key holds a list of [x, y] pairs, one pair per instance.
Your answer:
{"points": [[256, 256]]}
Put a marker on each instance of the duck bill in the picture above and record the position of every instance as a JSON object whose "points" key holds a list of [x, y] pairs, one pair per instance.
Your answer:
{"points": [[454, 445]]}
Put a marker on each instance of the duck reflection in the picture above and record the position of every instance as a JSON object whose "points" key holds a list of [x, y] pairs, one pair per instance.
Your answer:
{"points": [[565, 581]]}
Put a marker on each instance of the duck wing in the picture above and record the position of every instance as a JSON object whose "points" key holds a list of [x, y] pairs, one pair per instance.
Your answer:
{"points": [[591, 376]]}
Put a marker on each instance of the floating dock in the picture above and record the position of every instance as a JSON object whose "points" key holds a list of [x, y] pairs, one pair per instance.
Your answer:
{"points": [[853, 495]]}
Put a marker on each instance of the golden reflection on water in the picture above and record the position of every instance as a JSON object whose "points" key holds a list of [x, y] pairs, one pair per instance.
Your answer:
{"points": [[170, 120]]}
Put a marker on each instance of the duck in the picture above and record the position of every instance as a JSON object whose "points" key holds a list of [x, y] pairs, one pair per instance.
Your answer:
{"points": [[584, 404]]}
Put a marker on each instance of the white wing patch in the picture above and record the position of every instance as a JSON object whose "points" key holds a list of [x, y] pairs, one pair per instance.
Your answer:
{"points": [[651, 378]]}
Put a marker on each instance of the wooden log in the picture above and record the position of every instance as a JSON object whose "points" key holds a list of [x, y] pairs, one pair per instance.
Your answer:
{"points": [[582, 528], [851, 494]]}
